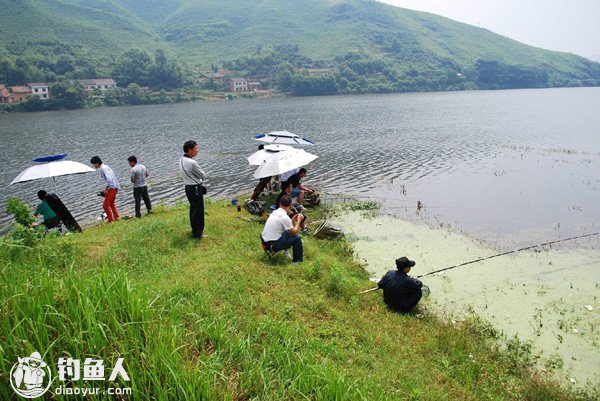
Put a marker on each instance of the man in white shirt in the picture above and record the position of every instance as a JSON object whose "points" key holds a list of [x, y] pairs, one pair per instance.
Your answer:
{"points": [[281, 232], [112, 187], [193, 178]]}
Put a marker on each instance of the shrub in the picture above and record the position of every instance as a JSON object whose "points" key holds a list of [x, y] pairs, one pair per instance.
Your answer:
{"points": [[28, 236], [21, 212], [22, 230]]}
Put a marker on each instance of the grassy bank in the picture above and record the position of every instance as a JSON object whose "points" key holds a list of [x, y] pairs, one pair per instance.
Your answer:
{"points": [[216, 320]]}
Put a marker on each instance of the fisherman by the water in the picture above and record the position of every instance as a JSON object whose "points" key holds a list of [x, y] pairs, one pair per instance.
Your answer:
{"points": [[193, 179], [112, 187], [51, 220], [138, 175], [401, 293]]}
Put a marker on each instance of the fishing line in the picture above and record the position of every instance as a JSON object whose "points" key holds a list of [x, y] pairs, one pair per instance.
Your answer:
{"points": [[509, 252], [495, 256]]}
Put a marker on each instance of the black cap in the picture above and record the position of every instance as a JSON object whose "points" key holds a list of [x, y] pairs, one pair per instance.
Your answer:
{"points": [[404, 262]]}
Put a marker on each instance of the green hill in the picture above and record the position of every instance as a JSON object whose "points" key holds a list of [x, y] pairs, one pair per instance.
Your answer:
{"points": [[397, 48]]}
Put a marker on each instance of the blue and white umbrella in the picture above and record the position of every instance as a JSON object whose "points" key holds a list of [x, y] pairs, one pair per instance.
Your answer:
{"points": [[52, 169], [283, 137], [51, 166]]}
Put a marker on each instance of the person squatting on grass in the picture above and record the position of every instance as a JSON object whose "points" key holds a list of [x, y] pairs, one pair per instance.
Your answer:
{"points": [[299, 190], [193, 178], [51, 220], [286, 189], [401, 293], [281, 232], [110, 192], [138, 174]]}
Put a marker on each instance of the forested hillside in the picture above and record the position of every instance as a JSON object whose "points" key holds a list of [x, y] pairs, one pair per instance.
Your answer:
{"points": [[303, 46]]}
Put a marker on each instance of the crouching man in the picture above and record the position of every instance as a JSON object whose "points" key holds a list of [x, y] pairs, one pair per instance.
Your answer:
{"points": [[401, 293], [281, 232]]}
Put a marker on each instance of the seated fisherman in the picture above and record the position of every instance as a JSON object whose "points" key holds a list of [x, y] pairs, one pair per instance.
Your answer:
{"points": [[286, 189], [51, 220], [401, 293], [299, 189], [281, 232]]}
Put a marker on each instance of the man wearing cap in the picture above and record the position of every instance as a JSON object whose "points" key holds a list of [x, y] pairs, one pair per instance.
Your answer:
{"points": [[401, 293]]}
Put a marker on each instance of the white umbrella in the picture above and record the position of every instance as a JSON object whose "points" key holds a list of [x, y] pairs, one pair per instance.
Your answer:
{"points": [[52, 169], [283, 161], [52, 166], [256, 158], [283, 137]]}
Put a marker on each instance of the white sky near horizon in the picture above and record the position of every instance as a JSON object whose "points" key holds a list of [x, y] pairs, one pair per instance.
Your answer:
{"points": [[571, 26]]}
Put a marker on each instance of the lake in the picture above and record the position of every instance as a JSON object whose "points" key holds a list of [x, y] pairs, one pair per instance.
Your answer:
{"points": [[511, 167]]}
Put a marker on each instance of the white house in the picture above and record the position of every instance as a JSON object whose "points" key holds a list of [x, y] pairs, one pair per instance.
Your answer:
{"points": [[40, 89], [101, 84], [237, 85]]}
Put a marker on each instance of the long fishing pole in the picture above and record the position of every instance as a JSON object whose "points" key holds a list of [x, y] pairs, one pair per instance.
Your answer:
{"points": [[495, 256], [509, 252]]}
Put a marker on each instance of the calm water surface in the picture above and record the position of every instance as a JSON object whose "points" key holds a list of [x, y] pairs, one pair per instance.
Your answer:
{"points": [[512, 167]]}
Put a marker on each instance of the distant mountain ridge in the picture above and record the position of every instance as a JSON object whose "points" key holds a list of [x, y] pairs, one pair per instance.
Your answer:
{"points": [[206, 32]]}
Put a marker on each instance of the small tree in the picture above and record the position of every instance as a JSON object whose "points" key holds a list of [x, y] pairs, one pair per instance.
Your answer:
{"points": [[21, 212], [22, 230]]}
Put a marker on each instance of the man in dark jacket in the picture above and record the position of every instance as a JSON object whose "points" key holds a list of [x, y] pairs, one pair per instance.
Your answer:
{"points": [[401, 293]]}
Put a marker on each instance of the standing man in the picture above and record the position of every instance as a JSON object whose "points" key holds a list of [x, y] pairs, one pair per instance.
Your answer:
{"points": [[281, 232], [401, 293], [193, 178], [138, 174], [110, 192]]}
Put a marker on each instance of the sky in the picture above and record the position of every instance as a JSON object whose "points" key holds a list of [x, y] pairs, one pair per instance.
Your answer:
{"points": [[571, 26]]}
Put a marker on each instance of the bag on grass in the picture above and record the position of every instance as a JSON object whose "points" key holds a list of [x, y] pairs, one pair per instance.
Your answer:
{"points": [[254, 207], [313, 199]]}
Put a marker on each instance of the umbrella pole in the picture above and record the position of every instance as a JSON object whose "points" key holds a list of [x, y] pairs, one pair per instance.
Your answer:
{"points": [[62, 226]]}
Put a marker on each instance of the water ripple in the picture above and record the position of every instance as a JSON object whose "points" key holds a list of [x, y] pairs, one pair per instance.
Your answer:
{"points": [[364, 142]]}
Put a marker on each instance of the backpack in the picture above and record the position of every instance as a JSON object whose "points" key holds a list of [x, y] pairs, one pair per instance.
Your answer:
{"points": [[254, 207], [313, 199]]}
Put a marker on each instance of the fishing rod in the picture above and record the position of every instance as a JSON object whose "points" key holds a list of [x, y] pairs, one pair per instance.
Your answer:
{"points": [[495, 256], [509, 252]]}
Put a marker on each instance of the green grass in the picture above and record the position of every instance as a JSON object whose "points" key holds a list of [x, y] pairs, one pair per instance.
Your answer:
{"points": [[217, 320]]}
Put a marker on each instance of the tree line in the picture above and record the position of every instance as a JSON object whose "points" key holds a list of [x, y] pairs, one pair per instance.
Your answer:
{"points": [[282, 68], [285, 69], [53, 61]]}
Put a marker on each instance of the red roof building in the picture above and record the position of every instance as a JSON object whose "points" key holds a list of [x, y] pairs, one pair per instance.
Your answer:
{"points": [[4, 94], [18, 93]]}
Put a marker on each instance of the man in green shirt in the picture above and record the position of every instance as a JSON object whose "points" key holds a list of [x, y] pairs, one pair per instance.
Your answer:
{"points": [[51, 220]]}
